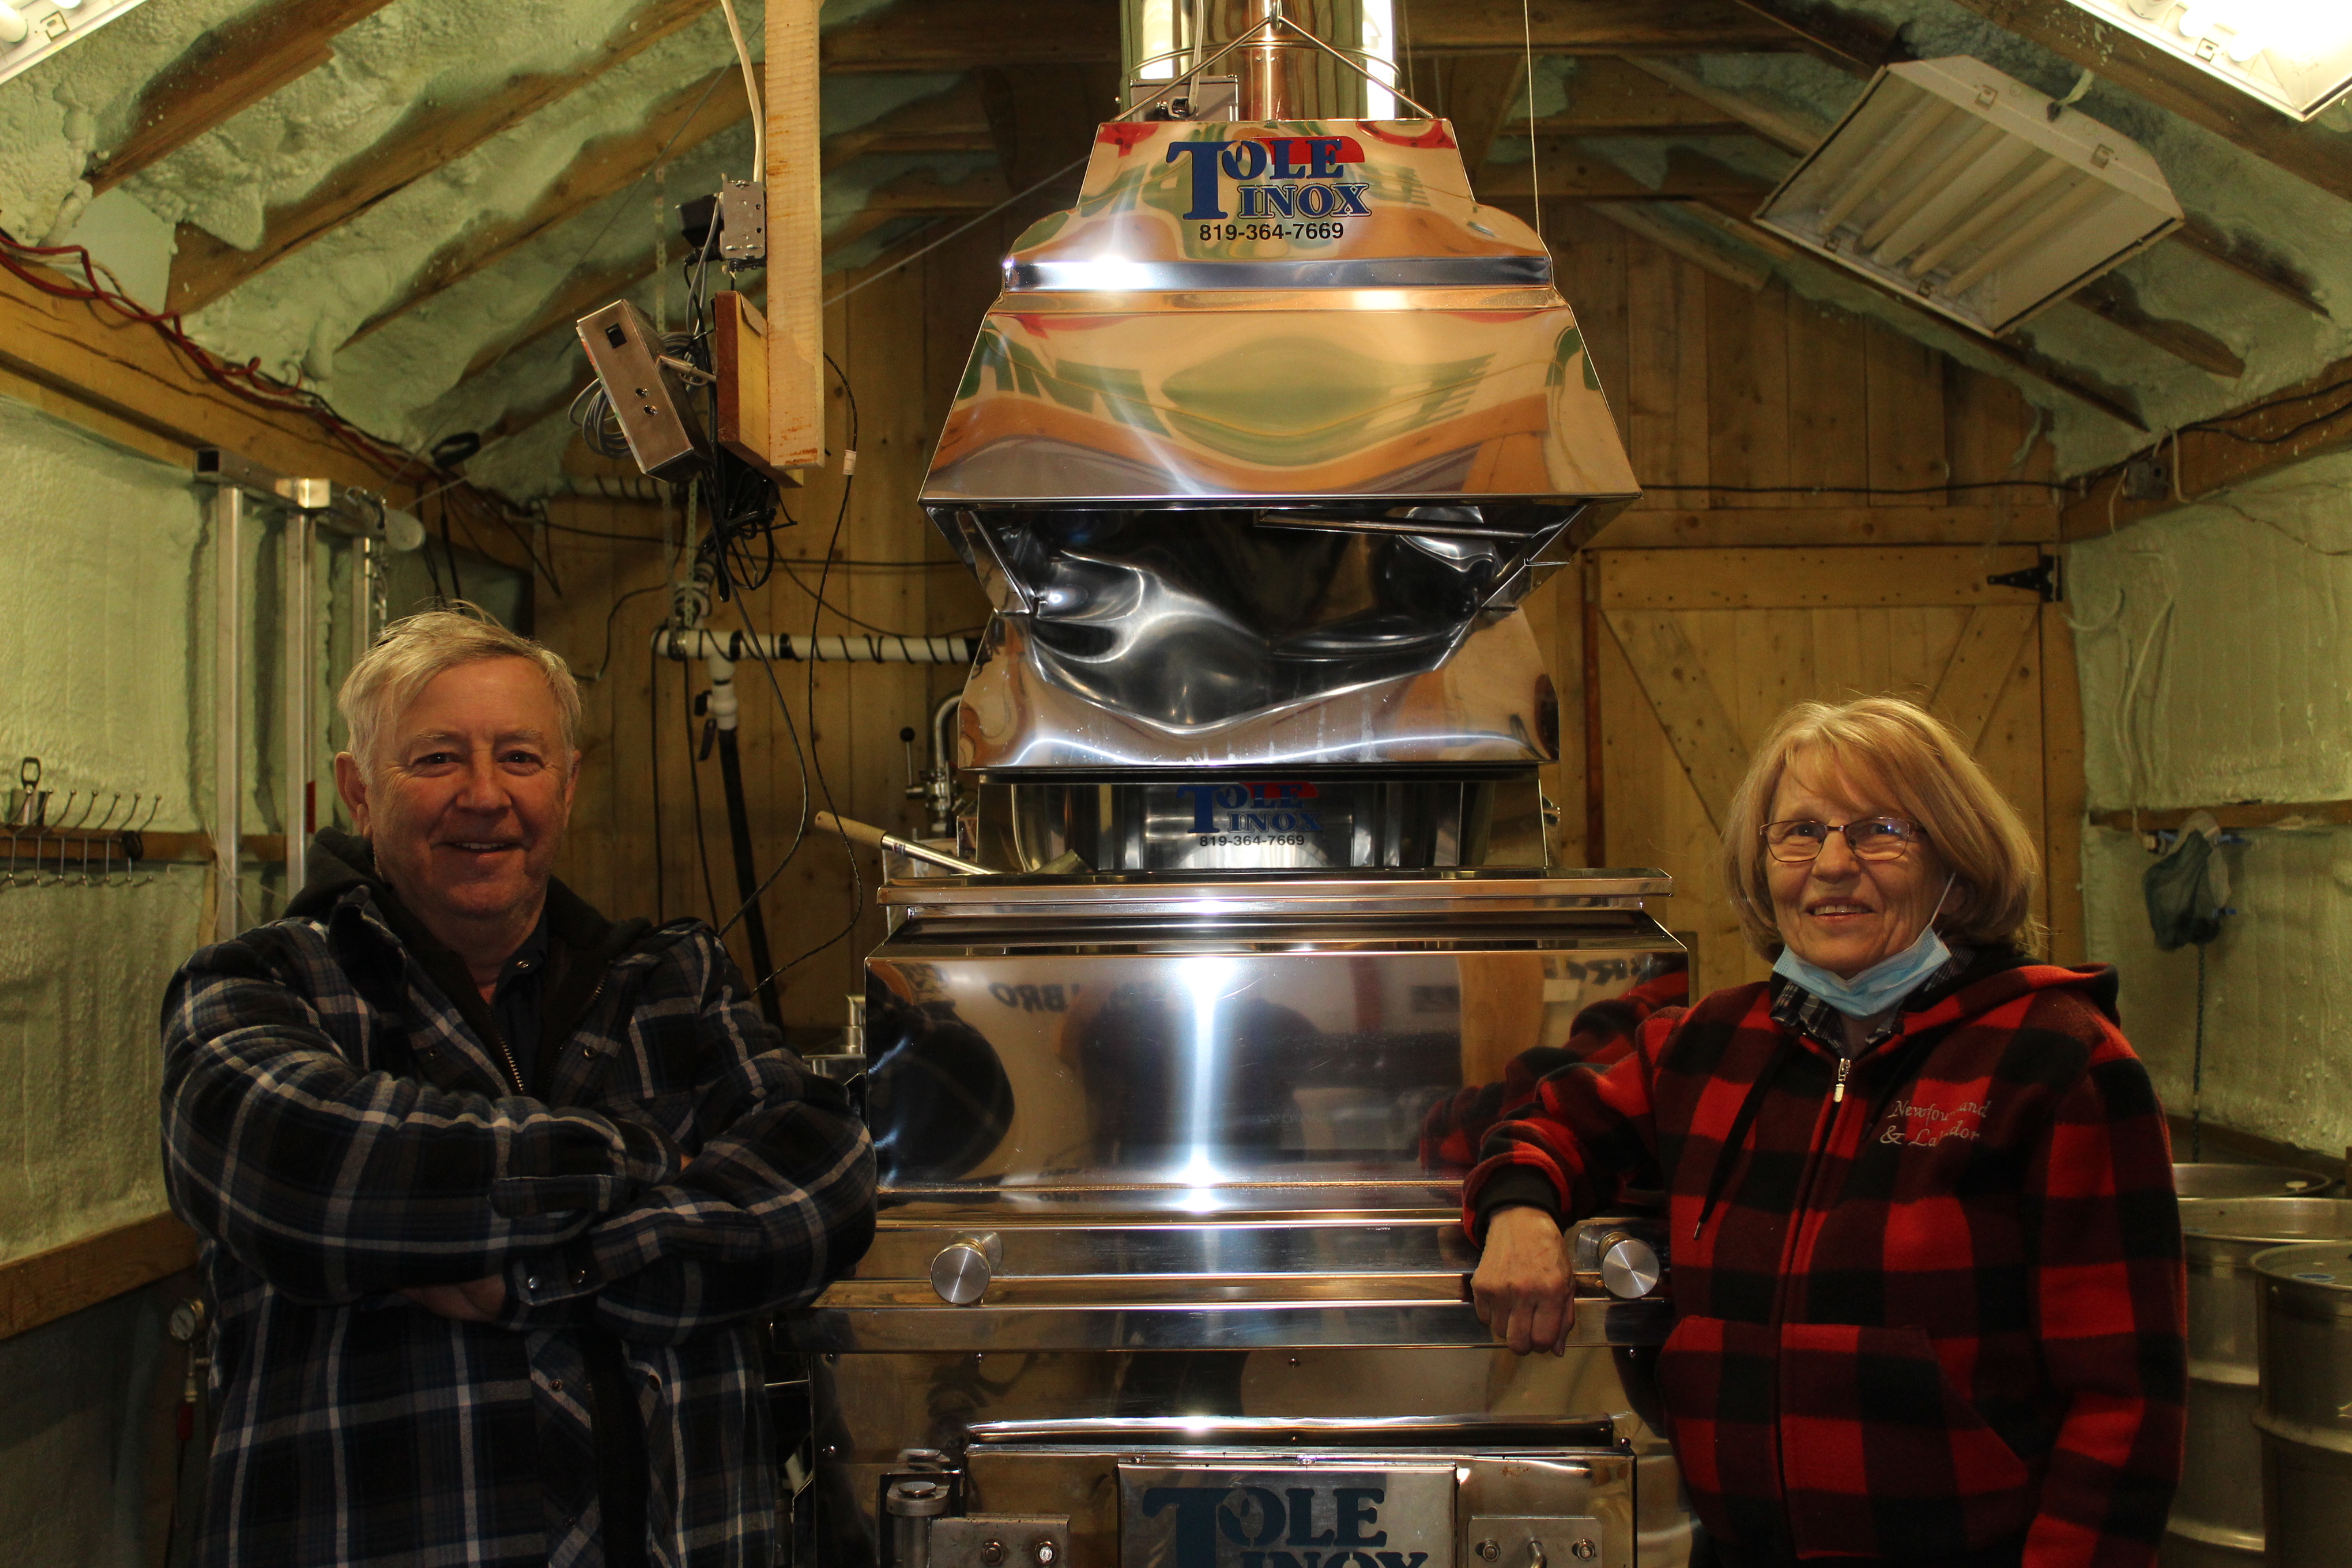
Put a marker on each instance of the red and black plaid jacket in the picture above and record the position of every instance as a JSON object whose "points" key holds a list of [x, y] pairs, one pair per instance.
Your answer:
{"points": [[1930, 1318], [1454, 1127]]}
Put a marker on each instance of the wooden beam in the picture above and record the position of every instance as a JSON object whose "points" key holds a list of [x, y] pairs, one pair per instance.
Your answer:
{"points": [[431, 136], [128, 371], [2249, 261], [1982, 665], [685, 118], [228, 70], [2242, 814], [1853, 40], [955, 120], [1647, 221], [1477, 92], [1697, 97], [580, 293], [2114, 298], [795, 180], [1835, 521], [2273, 433], [1567, 171], [956, 35], [1593, 27], [45, 1286], [1847, 576], [2122, 58], [920, 193], [1704, 736]]}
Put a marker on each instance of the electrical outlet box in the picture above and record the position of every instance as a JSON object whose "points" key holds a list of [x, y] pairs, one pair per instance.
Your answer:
{"points": [[659, 413]]}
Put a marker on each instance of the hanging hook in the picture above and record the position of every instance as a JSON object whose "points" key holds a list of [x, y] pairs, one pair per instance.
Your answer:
{"points": [[140, 834]]}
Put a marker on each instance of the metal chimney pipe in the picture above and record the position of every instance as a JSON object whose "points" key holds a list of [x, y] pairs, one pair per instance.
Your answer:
{"points": [[1284, 76]]}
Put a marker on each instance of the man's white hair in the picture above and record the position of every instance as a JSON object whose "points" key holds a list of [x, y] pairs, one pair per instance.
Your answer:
{"points": [[415, 649]]}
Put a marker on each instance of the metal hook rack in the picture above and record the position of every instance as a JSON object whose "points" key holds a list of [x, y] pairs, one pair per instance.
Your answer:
{"points": [[74, 833]]}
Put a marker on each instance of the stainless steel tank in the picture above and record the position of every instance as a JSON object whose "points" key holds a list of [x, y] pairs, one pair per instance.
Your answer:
{"points": [[2217, 1515], [2216, 1179], [1257, 457], [2306, 1410]]}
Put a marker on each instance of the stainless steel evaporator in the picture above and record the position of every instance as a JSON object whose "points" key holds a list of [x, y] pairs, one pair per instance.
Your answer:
{"points": [[1256, 455]]}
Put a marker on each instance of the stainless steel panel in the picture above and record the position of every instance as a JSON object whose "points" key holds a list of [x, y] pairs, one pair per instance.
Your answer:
{"points": [[2217, 1518], [1241, 897], [1212, 822], [1140, 672], [1542, 1541], [1212, 1516], [2306, 1410], [1208, 1054], [2216, 1179], [1000, 1541]]}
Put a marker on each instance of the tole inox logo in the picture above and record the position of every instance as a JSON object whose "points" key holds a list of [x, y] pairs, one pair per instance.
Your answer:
{"points": [[1278, 807], [1316, 168], [1295, 1527]]}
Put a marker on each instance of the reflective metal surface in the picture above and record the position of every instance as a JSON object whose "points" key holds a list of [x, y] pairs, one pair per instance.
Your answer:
{"points": [[2304, 1413], [1214, 822], [1159, 676], [2216, 1179], [2217, 1518]]}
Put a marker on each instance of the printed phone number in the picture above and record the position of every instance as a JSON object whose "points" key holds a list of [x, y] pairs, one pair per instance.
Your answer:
{"points": [[1211, 839], [1212, 231]]}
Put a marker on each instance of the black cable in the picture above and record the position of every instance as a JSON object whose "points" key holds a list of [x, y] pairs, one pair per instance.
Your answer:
{"points": [[606, 662], [694, 777], [653, 733], [817, 621], [800, 753], [456, 583]]}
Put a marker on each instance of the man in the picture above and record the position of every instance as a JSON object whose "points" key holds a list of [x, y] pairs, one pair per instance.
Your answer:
{"points": [[493, 1191]]}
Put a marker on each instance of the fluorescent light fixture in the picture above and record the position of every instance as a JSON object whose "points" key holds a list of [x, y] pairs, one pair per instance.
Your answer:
{"points": [[2294, 55], [1949, 183], [33, 30]]}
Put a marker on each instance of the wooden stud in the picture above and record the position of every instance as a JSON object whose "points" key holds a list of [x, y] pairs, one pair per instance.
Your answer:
{"points": [[795, 236], [44, 1285], [1982, 666], [1853, 575], [2064, 788], [1705, 738], [1592, 26], [1478, 93]]}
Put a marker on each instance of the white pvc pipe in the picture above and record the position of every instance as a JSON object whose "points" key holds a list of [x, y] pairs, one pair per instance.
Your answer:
{"points": [[737, 647]]}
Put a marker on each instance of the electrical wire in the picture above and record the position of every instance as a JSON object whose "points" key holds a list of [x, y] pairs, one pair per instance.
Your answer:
{"points": [[605, 663], [653, 733], [967, 224], [751, 93], [694, 778]]}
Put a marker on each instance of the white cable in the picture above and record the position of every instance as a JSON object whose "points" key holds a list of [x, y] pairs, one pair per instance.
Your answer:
{"points": [[1535, 154], [750, 95]]}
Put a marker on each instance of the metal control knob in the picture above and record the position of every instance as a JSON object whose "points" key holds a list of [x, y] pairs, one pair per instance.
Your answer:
{"points": [[962, 1269], [1629, 1267]]}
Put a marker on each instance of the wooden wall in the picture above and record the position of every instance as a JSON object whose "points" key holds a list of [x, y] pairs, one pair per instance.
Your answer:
{"points": [[1720, 392]]}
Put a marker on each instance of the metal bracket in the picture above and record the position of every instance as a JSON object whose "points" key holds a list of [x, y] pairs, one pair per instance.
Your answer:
{"points": [[743, 222], [1000, 1541], [1522, 1541], [2042, 577]]}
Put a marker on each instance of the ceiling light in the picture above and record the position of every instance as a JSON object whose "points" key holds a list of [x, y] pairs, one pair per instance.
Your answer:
{"points": [[1949, 183], [33, 30], [2294, 55]]}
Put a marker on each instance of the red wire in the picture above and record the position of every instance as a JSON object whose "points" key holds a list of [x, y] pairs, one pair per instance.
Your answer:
{"points": [[244, 381]]}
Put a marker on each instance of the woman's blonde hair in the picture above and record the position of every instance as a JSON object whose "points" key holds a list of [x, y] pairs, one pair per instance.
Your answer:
{"points": [[1895, 751], [415, 648]]}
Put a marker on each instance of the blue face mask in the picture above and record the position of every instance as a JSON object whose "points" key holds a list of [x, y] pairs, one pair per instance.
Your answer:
{"points": [[1880, 986]]}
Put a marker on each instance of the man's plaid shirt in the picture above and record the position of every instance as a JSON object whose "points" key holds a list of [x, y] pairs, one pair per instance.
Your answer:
{"points": [[335, 1130]]}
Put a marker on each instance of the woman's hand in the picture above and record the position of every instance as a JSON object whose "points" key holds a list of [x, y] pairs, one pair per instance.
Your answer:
{"points": [[1524, 1288]]}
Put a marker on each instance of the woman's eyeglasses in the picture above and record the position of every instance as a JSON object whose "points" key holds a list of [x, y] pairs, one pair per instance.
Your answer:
{"points": [[1872, 839]]}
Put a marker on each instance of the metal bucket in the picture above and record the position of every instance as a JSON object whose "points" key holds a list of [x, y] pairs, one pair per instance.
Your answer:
{"points": [[2217, 1516], [2305, 1411], [2215, 1179]]}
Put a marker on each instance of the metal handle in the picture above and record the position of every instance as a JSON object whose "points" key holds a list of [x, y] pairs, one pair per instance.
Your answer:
{"points": [[1628, 1266], [963, 1268]]}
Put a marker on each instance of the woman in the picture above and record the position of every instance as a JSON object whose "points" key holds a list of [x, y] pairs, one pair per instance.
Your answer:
{"points": [[1928, 1273]]}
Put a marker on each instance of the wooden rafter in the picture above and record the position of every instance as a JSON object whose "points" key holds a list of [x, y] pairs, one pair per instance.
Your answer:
{"points": [[1477, 92], [580, 293], [2307, 152], [2114, 298], [1564, 169], [1850, 39], [428, 137], [684, 120], [229, 69], [952, 121], [1591, 27], [957, 35], [2272, 433], [1696, 96]]}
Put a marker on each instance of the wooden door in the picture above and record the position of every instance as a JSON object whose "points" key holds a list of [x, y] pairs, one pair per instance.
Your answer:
{"points": [[1696, 652]]}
